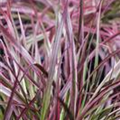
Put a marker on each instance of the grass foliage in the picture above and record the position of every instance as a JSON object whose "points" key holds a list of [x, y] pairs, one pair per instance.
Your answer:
{"points": [[59, 60]]}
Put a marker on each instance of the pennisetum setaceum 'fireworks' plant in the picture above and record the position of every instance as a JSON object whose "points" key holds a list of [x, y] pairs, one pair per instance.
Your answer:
{"points": [[59, 60]]}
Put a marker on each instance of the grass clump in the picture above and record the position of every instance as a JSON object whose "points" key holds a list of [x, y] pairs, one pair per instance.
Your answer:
{"points": [[59, 60]]}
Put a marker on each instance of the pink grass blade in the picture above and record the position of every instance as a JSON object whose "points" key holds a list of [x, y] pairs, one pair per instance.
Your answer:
{"points": [[73, 61], [46, 97]]}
